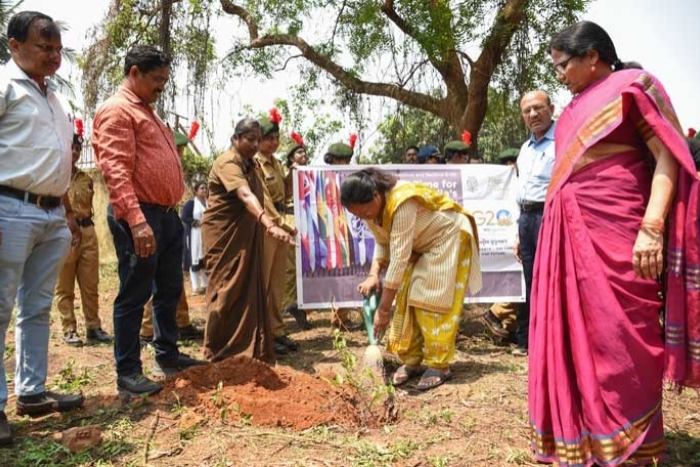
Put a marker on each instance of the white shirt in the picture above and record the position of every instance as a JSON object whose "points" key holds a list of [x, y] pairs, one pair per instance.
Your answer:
{"points": [[535, 164], [35, 135]]}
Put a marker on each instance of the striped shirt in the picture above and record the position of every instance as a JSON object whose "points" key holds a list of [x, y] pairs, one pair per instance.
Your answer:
{"points": [[137, 155], [430, 239]]}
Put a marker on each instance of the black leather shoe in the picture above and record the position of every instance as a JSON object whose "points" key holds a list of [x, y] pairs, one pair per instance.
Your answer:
{"points": [[47, 402], [98, 335], [183, 362], [190, 332], [281, 349], [299, 316], [287, 342], [5, 431], [138, 385]]}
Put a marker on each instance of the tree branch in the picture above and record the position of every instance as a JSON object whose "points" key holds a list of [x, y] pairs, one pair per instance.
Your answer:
{"points": [[391, 13], [235, 10], [289, 59], [154, 10], [337, 21], [448, 66], [466, 57], [346, 78], [494, 46], [413, 71]]}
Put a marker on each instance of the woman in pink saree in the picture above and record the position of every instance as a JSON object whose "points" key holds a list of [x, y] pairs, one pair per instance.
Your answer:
{"points": [[623, 198]]}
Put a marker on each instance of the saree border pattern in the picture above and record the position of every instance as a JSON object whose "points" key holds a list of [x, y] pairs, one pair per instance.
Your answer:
{"points": [[601, 448]]}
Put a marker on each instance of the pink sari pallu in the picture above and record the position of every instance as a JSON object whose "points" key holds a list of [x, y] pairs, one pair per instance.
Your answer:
{"points": [[597, 351]]}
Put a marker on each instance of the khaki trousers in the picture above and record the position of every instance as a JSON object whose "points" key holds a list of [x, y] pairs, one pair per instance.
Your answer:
{"points": [[81, 264], [505, 313], [290, 280], [182, 315], [274, 269]]}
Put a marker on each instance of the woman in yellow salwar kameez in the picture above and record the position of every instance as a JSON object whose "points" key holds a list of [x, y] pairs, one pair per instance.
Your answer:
{"points": [[428, 246]]}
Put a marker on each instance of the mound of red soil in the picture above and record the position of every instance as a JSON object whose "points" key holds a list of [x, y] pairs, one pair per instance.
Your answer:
{"points": [[249, 391]]}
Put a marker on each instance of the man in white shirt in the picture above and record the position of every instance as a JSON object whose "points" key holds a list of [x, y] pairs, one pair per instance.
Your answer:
{"points": [[35, 214], [535, 164]]}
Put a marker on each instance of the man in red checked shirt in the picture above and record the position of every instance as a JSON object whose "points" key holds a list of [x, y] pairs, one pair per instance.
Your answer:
{"points": [[141, 167]]}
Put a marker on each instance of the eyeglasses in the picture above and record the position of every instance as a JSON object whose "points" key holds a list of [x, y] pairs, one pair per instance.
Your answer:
{"points": [[561, 66], [537, 108], [48, 49]]}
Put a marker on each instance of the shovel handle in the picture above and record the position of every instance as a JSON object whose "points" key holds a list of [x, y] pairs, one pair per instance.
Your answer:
{"points": [[369, 308]]}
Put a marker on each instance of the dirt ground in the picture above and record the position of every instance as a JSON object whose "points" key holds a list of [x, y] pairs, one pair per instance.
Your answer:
{"points": [[316, 407]]}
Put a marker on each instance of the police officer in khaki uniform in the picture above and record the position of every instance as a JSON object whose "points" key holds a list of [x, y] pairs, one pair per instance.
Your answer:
{"points": [[274, 252], [83, 262]]}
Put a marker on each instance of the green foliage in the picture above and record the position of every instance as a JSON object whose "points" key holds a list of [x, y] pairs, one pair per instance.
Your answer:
{"points": [[33, 452], [371, 455], [72, 380], [132, 22], [302, 115], [408, 127], [7, 9], [195, 167], [503, 128]]}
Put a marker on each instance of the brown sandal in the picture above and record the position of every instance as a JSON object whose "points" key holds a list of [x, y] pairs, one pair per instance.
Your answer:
{"points": [[406, 373]]}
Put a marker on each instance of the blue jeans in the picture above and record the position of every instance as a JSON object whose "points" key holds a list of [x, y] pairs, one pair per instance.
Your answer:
{"points": [[34, 244], [528, 231], [159, 275]]}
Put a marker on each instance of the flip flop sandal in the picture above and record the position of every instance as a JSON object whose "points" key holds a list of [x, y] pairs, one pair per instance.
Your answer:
{"points": [[404, 374], [432, 378]]}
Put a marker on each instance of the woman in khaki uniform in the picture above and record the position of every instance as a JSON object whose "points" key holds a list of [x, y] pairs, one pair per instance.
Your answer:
{"points": [[234, 227], [274, 252]]}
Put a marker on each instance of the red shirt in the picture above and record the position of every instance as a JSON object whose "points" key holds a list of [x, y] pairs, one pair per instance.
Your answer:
{"points": [[137, 155]]}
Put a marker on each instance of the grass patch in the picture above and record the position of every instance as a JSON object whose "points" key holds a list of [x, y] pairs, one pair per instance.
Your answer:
{"points": [[72, 379], [372, 455]]}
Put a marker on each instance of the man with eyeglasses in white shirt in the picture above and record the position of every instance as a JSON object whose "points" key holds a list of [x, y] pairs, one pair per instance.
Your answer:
{"points": [[36, 219], [535, 163]]}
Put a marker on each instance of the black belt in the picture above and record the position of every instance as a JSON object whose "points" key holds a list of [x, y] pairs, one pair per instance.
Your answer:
{"points": [[289, 210], [44, 202], [528, 206], [158, 207], [86, 222]]}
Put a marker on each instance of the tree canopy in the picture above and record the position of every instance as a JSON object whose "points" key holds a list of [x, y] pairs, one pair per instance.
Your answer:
{"points": [[181, 28], [503, 128], [7, 9], [405, 49]]}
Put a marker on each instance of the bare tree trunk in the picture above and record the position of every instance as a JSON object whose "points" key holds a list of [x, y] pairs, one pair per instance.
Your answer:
{"points": [[165, 17], [165, 39]]}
